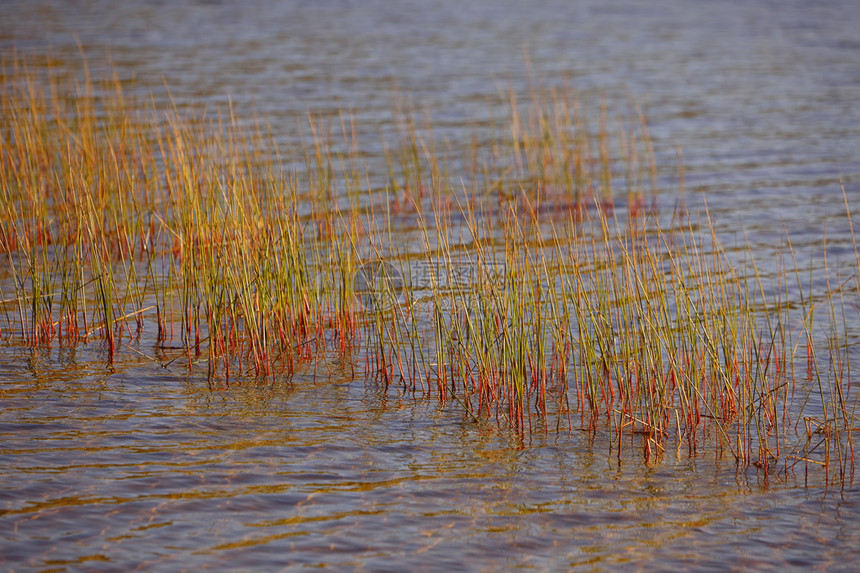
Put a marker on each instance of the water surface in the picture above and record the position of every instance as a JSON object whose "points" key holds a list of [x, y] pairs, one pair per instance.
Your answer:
{"points": [[139, 466]]}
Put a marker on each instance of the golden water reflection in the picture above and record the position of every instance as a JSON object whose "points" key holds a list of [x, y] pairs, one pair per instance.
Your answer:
{"points": [[129, 466]]}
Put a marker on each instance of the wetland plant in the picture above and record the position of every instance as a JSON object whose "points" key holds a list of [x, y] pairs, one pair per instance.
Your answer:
{"points": [[545, 289]]}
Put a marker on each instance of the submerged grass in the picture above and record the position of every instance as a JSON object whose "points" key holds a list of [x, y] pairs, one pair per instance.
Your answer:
{"points": [[545, 290]]}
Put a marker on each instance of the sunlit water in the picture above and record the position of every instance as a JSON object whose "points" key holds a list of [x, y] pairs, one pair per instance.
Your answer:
{"points": [[140, 466]]}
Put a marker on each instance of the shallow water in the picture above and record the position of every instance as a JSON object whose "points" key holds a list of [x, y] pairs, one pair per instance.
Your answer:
{"points": [[136, 468], [139, 466]]}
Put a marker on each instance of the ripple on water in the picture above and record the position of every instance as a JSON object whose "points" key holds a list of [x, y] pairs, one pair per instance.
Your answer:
{"points": [[137, 466]]}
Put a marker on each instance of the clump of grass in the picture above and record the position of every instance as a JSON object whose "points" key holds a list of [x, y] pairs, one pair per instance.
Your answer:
{"points": [[522, 291]]}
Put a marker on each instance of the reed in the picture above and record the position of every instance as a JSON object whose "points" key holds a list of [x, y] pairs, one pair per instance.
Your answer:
{"points": [[544, 287]]}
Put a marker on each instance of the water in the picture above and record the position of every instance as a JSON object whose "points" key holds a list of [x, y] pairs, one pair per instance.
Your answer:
{"points": [[139, 466]]}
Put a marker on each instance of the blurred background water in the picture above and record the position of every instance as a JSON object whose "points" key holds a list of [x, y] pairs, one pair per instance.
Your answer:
{"points": [[130, 466]]}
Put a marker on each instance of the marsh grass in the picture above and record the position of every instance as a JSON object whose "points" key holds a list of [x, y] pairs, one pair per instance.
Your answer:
{"points": [[543, 291]]}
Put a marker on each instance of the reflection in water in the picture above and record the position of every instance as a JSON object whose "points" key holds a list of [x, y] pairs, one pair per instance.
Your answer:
{"points": [[139, 466]]}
